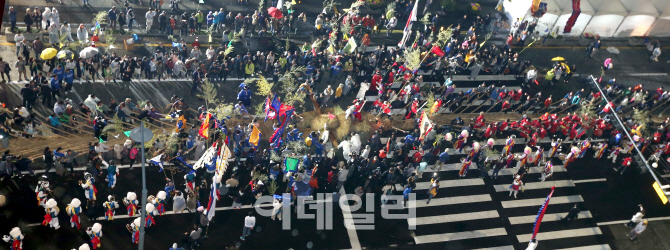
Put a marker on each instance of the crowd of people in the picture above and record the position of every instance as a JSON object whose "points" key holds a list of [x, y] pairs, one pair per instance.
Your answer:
{"points": [[573, 123]]}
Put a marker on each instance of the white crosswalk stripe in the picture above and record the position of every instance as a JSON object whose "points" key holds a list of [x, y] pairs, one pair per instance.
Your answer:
{"points": [[455, 200], [538, 201], [561, 234], [538, 185], [547, 217], [456, 217], [593, 247], [451, 183], [460, 235]]}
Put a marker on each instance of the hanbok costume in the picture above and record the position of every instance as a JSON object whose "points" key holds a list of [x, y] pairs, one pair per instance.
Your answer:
{"points": [[134, 229], [539, 156], [51, 218], [73, 210], [151, 211], [585, 145], [600, 150], [15, 238], [42, 191], [464, 168], [110, 206], [554, 148], [95, 232], [89, 187], [509, 143], [159, 202], [131, 203], [548, 171]]}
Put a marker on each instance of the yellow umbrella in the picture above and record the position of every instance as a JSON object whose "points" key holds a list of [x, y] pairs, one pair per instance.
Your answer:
{"points": [[567, 68], [557, 59], [48, 53]]}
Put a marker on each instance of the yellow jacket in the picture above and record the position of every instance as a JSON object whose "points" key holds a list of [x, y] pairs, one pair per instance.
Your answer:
{"points": [[338, 92], [249, 69]]}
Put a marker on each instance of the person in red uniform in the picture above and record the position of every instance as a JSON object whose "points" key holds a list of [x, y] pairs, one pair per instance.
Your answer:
{"points": [[412, 109], [376, 79], [627, 162]]}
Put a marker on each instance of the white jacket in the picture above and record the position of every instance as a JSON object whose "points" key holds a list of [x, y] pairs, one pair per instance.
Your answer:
{"points": [[82, 34], [91, 103]]}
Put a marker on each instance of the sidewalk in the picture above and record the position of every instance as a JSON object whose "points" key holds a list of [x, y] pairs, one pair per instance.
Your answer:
{"points": [[655, 237]]}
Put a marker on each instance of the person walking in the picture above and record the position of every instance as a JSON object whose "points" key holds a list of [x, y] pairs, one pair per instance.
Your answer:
{"points": [[150, 19], [444, 157], [405, 194], [432, 190], [249, 223], [637, 218], [514, 188], [572, 215], [639, 228]]}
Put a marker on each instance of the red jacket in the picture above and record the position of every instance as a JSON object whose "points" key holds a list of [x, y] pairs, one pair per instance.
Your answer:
{"points": [[627, 162]]}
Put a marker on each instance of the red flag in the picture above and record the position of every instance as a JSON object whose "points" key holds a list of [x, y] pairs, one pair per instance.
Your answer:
{"points": [[437, 51], [204, 128], [540, 214], [576, 10]]}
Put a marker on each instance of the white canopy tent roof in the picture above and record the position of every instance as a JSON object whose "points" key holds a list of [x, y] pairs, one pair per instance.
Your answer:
{"points": [[642, 14], [662, 25], [609, 14], [546, 22], [582, 20], [516, 9]]}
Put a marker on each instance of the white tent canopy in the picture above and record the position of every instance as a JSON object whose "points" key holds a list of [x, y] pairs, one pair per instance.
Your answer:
{"points": [[582, 20], [609, 14], [546, 22], [662, 25], [516, 9], [642, 14]]}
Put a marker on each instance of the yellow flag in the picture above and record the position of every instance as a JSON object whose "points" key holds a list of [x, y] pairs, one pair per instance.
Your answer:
{"points": [[293, 2], [210, 38], [255, 136]]}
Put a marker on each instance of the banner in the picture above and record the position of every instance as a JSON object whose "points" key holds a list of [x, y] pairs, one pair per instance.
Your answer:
{"points": [[206, 158], [157, 161], [408, 26], [576, 10], [426, 125], [255, 136], [292, 164], [540, 214], [204, 128]]}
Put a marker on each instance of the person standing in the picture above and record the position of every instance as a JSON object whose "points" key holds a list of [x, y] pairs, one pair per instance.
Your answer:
{"points": [[572, 215], [442, 158], [637, 218], [111, 14], [249, 223], [150, 19], [12, 19], [532, 244], [639, 228]]}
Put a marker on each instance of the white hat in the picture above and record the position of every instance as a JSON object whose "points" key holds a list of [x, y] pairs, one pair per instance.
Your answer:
{"points": [[137, 222], [150, 208], [96, 227], [161, 195], [131, 196], [51, 203], [84, 247], [16, 232], [75, 202], [110, 197]]}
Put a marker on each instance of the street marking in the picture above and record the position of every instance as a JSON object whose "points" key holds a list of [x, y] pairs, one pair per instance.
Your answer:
{"points": [[454, 217], [537, 185], [539, 201], [348, 220], [125, 216], [547, 217], [592, 247], [484, 78], [453, 200], [561, 234], [497, 248], [460, 235], [504, 171], [451, 183], [626, 221], [589, 180], [646, 74]]}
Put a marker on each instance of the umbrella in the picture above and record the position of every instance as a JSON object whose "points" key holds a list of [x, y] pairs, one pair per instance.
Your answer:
{"points": [[88, 52], [274, 12], [555, 59], [48, 53], [65, 54]]}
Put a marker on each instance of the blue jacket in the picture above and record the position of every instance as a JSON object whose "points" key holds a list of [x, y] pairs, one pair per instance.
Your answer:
{"points": [[54, 84], [306, 161], [406, 193], [59, 73], [222, 16], [335, 70], [111, 14], [69, 77], [319, 148], [12, 16], [54, 121], [444, 157]]}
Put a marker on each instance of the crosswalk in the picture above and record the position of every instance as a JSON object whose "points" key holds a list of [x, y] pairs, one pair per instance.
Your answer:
{"points": [[474, 213]]}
